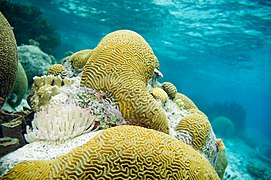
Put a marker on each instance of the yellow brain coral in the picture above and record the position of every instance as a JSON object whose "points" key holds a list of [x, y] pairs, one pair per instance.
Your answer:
{"points": [[79, 59], [56, 69], [183, 102], [170, 89], [159, 94], [198, 127], [122, 65], [122, 152], [8, 59]]}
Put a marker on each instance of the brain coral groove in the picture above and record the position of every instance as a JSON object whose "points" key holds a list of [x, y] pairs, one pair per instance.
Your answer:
{"points": [[8, 59], [122, 152], [122, 65]]}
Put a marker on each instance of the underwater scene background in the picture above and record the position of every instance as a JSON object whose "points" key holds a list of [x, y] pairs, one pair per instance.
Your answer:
{"points": [[217, 52]]}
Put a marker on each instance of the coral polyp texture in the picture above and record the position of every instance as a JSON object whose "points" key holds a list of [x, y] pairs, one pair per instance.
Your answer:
{"points": [[79, 59], [56, 69], [159, 94], [122, 152], [170, 89], [183, 102], [121, 65], [60, 123], [8, 59]]}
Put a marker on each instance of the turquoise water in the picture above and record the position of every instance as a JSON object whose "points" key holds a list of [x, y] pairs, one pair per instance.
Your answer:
{"points": [[214, 51]]}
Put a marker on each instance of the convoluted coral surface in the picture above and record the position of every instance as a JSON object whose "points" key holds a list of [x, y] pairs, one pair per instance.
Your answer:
{"points": [[8, 59], [159, 94], [122, 65], [198, 126], [122, 152], [170, 89]]}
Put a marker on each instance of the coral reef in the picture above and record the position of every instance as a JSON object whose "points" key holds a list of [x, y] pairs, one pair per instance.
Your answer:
{"points": [[57, 69], [170, 89], [118, 86], [223, 126], [183, 102], [79, 59], [121, 65], [60, 123], [98, 102], [21, 18], [8, 59], [159, 94], [20, 87], [34, 61], [119, 153]]}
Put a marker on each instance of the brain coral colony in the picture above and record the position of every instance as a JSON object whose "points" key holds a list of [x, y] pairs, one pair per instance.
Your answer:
{"points": [[114, 89], [8, 59], [123, 152]]}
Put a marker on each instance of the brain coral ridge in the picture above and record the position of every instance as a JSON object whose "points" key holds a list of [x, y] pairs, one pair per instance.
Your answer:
{"points": [[198, 126], [170, 89], [8, 59], [159, 94], [122, 65], [122, 152]]}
